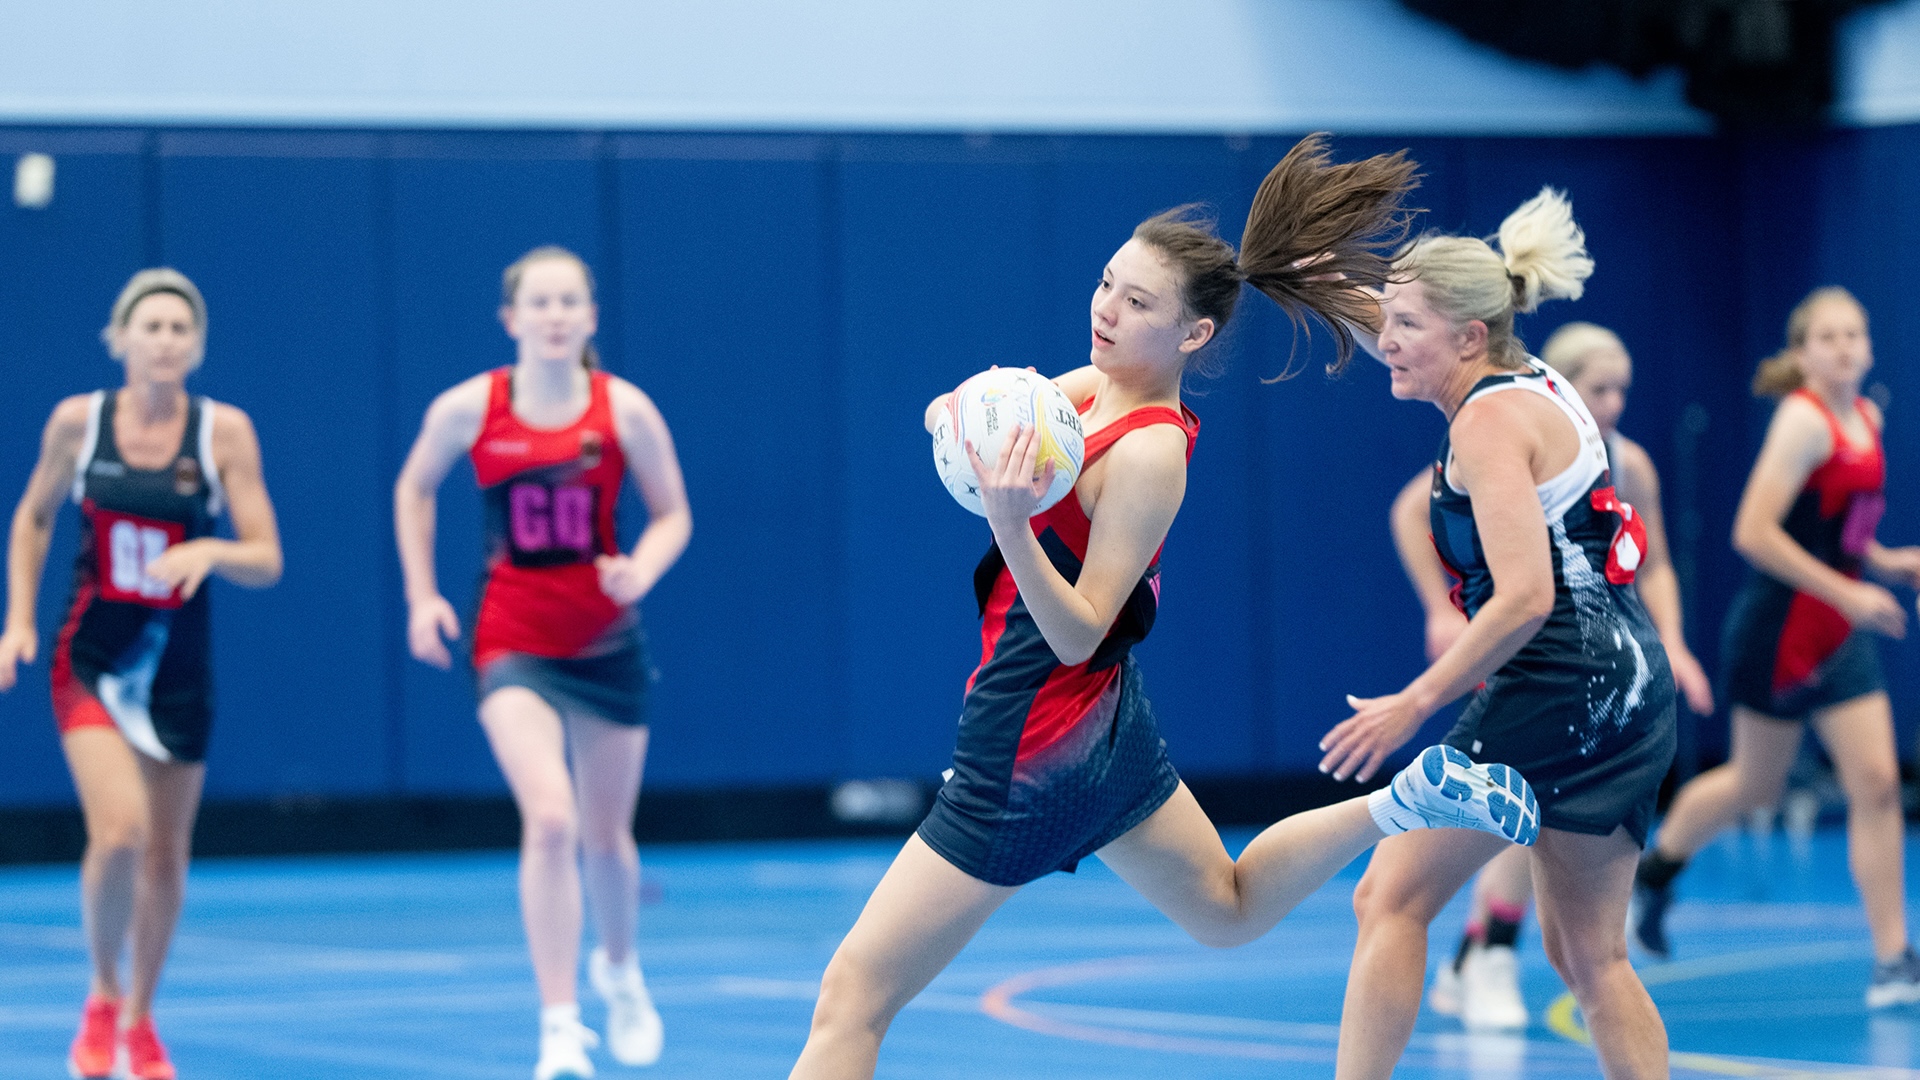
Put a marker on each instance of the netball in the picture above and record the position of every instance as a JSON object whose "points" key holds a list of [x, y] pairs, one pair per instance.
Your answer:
{"points": [[984, 409]]}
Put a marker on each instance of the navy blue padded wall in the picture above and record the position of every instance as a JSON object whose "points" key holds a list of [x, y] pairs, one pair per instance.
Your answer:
{"points": [[822, 624], [729, 314], [276, 231], [1199, 665], [66, 263], [940, 275], [462, 208], [1339, 616]]}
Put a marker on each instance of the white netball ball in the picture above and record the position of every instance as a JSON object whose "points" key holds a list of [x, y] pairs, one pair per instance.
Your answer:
{"points": [[984, 410]]}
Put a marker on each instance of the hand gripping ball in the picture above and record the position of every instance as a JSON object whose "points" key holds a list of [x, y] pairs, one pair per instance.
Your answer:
{"points": [[984, 410]]}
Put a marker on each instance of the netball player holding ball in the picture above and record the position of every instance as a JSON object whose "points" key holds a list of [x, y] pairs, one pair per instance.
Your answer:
{"points": [[557, 648], [1058, 756], [151, 467]]}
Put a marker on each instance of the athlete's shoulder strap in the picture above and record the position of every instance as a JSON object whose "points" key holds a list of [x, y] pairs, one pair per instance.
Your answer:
{"points": [[500, 392], [1834, 428], [89, 444], [209, 469], [1102, 440]]}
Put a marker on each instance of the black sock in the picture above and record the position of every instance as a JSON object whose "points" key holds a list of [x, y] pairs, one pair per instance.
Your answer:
{"points": [[1502, 932], [1467, 942], [1657, 871]]}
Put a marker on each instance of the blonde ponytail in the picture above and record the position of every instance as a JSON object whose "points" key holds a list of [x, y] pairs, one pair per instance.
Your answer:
{"points": [[1545, 252], [1542, 256]]}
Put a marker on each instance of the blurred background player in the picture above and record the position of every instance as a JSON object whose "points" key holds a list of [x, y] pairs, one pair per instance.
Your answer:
{"points": [[151, 468], [558, 652], [1482, 985], [1798, 647]]}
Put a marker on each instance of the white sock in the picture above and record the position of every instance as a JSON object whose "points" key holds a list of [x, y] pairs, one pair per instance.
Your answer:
{"points": [[555, 1016], [1392, 818]]}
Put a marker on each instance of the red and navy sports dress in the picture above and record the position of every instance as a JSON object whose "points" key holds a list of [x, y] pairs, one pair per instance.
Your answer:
{"points": [[1053, 761], [1786, 653], [1585, 709], [133, 655], [544, 624]]}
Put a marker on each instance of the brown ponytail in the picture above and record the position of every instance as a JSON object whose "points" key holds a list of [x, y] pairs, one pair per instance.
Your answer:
{"points": [[1317, 238], [1779, 374], [510, 286]]}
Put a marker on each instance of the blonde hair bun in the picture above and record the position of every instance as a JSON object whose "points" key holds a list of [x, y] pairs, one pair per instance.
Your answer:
{"points": [[1545, 251]]}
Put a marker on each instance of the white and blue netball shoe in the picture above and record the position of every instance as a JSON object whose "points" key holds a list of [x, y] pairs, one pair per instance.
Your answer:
{"points": [[1445, 789]]}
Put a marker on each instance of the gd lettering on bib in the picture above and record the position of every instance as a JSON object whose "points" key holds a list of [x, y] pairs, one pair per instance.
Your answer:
{"points": [[126, 546], [551, 524]]}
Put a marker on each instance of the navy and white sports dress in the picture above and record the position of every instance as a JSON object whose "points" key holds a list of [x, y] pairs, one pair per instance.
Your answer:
{"points": [[1054, 761], [1585, 709], [1785, 652], [132, 654]]}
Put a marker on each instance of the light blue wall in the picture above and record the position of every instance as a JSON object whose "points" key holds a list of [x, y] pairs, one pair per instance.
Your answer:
{"points": [[1001, 65]]}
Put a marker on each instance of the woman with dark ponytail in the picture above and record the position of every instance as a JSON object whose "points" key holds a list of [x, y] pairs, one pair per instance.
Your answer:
{"points": [[1058, 754], [1569, 680]]}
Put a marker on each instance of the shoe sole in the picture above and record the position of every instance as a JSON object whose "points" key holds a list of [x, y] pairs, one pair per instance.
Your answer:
{"points": [[1509, 807]]}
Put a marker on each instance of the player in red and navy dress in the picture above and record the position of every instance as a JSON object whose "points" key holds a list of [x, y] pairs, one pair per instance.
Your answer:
{"points": [[1799, 645], [1058, 755], [557, 648], [151, 468]]}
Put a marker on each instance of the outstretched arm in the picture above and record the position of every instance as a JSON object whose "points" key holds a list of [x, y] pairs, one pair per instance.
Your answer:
{"points": [[33, 530], [1494, 445], [656, 469], [1659, 587], [1431, 582], [451, 425]]}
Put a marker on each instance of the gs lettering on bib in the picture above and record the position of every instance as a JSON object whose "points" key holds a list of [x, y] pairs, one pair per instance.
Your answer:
{"points": [[127, 545], [551, 524]]}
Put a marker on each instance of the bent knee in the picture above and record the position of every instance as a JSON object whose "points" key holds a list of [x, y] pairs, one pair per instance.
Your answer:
{"points": [[853, 996], [119, 837], [1222, 933], [1877, 790], [607, 842], [1584, 965], [550, 828], [1376, 901]]}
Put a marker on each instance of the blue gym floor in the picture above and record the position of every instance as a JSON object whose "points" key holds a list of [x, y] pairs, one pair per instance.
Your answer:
{"points": [[389, 967]]}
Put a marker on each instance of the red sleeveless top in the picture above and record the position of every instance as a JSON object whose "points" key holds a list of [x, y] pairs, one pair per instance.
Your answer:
{"points": [[1833, 518], [1066, 517], [1019, 675], [550, 496]]}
